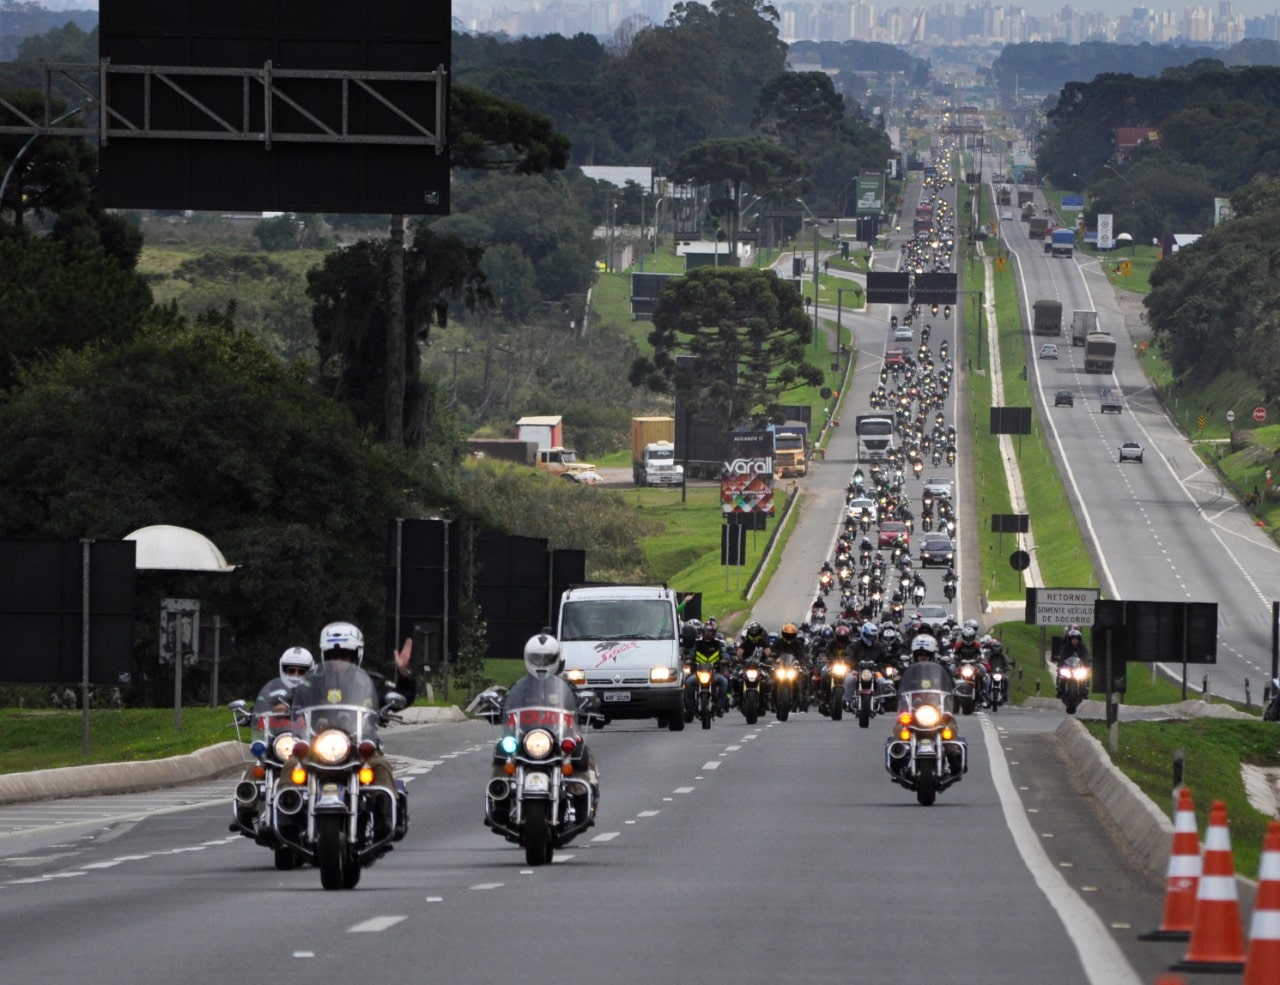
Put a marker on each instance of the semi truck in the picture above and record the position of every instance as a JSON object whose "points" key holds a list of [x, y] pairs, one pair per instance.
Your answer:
{"points": [[1004, 196], [1037, 227], [1064, 242], [653, 452], [875, 436], [1025, 197], [548, 433], [1099, 353], [791, 449], [1083, 324], [1046, 317]]}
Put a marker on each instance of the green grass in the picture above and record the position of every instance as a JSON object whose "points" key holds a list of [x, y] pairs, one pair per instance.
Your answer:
{"points": [[41, 740]]}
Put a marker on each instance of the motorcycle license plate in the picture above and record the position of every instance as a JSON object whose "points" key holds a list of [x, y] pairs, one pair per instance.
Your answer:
{"points": [[617, 695], [330, 795], [536, 783], [925, 748]]}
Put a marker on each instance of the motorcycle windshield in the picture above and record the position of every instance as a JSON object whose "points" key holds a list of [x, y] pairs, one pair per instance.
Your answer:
{"points": [[926, 683], [547, 703], [272, 711], [337, 694]]}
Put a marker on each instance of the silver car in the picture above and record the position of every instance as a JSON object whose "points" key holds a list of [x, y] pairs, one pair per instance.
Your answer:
{"points": [[1131, 451]]}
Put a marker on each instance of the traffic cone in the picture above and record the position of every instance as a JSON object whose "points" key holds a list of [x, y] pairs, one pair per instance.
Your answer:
{"points": [[1262, 965], [1217, 939], [1183, 876]]}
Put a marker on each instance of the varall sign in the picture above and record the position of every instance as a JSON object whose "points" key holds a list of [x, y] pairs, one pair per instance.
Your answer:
{"points": [[746, 475]]}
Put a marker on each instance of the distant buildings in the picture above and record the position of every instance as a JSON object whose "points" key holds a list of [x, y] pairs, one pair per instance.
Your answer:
{"points": [[861, 20]]}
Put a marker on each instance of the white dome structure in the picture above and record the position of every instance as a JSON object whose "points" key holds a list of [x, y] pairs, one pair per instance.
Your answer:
{"points": [[167, 548]]}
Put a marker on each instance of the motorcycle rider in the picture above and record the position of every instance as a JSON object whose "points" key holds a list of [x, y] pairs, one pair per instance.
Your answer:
{"points": [[1073, 645], [295, 663], [865, 647], [544, 661], [709, 650], [342, 653]]}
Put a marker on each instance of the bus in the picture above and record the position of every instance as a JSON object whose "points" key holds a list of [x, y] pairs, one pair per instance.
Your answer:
{"points": [[875, 435]]}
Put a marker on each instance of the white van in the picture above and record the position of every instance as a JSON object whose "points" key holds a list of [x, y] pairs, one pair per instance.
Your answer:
{"points": [[622, 641]]}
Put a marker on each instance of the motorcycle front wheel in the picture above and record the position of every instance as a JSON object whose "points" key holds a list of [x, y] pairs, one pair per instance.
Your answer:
{"points": [[864, 711], [751, 707], [537, 836], [331, 851], [704, 711], [837, 704], [926, 784]]}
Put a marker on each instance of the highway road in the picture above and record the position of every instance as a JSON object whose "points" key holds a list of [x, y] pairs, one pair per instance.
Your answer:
{"points": [[1163, 530], [778, 852]]}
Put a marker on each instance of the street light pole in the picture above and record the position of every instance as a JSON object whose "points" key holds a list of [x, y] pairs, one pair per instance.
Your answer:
{"points": [[27, 146], [1133, 207], [815, 268]]}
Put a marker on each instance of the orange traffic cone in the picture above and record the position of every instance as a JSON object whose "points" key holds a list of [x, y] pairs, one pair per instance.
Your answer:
{"points": [[1262, 966], [1183, 877], [1217, 940]]}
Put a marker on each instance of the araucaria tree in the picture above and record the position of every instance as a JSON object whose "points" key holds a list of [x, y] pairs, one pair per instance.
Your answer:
{"points": [[747, 329]]}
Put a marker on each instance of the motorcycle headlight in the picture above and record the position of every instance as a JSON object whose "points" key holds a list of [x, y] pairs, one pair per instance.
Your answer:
{"points": [[704, 676], [890, 670], [1082, 673], [284, 746], [576, 675], [966, 671], [1064, 672], [928, 716], [538, 744], [752, 674], [997, 676], [331, 746], [866, 675], [839, 669]]}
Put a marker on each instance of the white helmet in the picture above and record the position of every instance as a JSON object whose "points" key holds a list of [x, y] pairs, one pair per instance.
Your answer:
{"points": [[295, 658], [542, 656], [343, 641], [924, 643]]}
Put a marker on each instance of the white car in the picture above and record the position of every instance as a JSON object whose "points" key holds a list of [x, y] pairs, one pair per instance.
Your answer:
{"points": [[1131, 451], [585, 477], [902, 333], [856, 506], [1048, 351], [938, 486], [1007, 216]]}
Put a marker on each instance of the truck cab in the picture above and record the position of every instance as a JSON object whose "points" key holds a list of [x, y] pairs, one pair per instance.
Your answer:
{"points": [[558, 461]]}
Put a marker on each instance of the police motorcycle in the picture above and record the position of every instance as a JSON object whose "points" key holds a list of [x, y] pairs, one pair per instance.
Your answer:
{"points": [[543, 792], [332, 811], [925, 753], [271, 743]]}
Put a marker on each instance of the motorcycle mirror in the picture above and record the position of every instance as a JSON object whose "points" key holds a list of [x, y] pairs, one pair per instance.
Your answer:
{"points": [[239, 705], [394, 701]]}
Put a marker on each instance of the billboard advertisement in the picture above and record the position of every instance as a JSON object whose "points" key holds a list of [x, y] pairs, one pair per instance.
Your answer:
{"points": [[746, 476], [870, 187]]}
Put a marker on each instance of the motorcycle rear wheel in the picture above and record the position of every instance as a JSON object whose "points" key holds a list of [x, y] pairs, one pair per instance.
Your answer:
{"points": [[331, 851], [537, 836]]}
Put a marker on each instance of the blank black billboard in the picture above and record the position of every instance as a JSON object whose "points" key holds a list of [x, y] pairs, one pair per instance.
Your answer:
{"points": [[935, 288], [41, 611], [1010, 420], [197, 139], [424, 565], [884, 287]]}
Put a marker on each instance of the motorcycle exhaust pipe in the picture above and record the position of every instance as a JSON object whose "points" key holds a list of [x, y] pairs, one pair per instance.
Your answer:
{"points": [[499, 789], [898, 749], [289, 801], [246, 794]]}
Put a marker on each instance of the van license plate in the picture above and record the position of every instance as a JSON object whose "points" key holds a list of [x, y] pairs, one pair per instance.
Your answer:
{"points": [[617, 695]]}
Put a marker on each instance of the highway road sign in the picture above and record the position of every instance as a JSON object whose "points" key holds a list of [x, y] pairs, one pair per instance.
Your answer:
{"points": [[1231, 416], [1060, 606], [1259, 414]]}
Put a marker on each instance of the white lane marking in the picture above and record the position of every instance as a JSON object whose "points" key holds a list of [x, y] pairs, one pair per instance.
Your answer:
{"points": [[375, 925], [606, 836], [1103, 961], [304, 954], [648, 813], [557, 859], [435, 899], [732, 748], [713, 765], [683, 790], [487, 885]]}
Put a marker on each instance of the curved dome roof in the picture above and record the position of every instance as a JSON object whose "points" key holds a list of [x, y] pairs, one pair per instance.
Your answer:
{"points": [[176, 549]]}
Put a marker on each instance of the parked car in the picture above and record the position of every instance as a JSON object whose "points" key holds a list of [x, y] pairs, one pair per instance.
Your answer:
{"points": [[1131, 451], [936, 549], [891, 531], [1064, 398], [1048, 351], [1006, 215]]}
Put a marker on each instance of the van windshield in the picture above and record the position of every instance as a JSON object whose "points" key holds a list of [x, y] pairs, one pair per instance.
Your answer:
{"points": [[617, 619]]}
